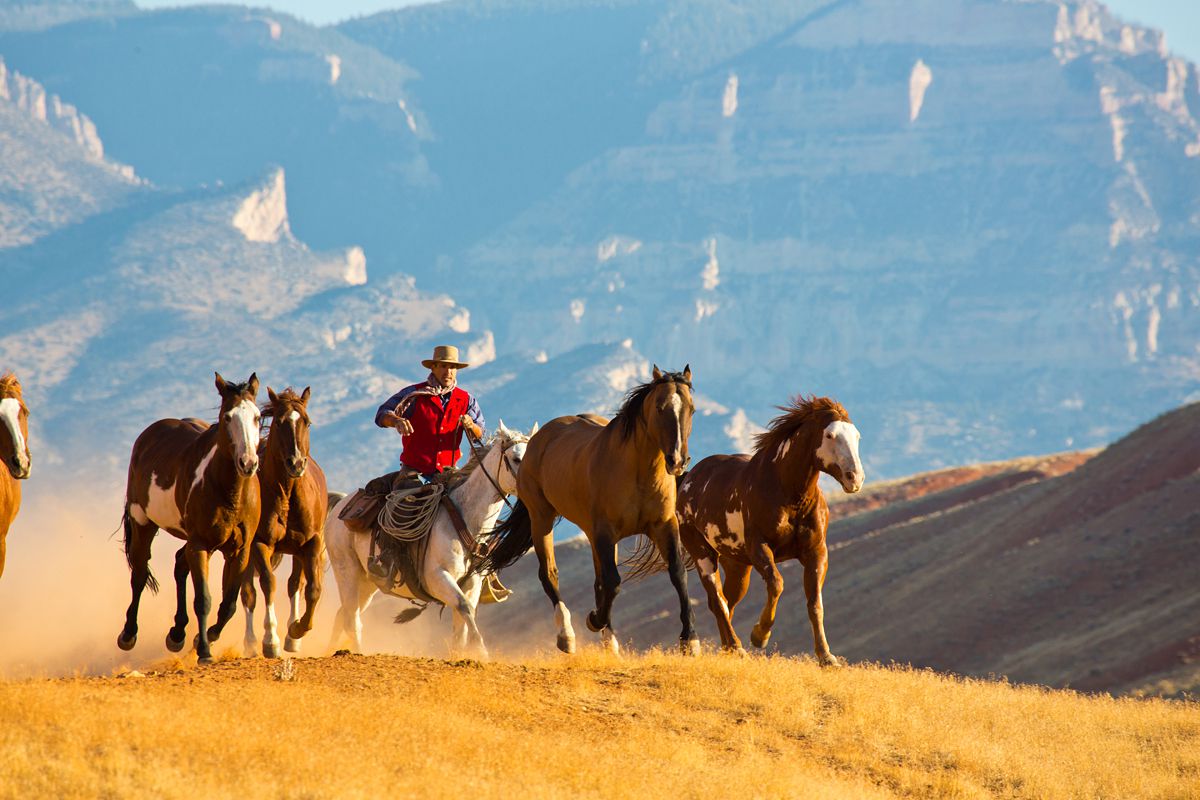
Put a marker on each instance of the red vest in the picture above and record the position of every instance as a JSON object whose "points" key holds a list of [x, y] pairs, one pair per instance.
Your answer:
{"points": [[433, 444]]}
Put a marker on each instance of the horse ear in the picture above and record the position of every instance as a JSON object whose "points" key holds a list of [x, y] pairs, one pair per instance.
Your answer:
{"points": [[252, 384], [687, 373], [305, 395], [501, 429], [271, 394], [221, 383], [657, 372], [534, 429]]}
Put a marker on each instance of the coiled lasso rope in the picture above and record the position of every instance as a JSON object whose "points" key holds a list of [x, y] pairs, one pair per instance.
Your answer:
{"points": [[408, 515]]}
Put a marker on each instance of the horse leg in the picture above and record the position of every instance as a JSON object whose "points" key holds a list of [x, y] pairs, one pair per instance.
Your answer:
{"points": [[815, 566], [442, 586], [541, 524], [764, 562], [265, 560], [737, 582], [249, 604], [471, 588], [608, 585], [138, 539], [178, 633], [306, 572], [666, 539], [237, 559], [705, 557], [198, 564]]}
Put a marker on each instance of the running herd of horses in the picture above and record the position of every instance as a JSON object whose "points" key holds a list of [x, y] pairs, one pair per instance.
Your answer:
{"points": [[219, 488]]}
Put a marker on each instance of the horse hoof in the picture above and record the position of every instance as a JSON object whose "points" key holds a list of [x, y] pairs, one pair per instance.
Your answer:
{"points": [[830, 660], [270, 650], [295, 631], [204, 660], [175, 645], [291, 645], [738, 651], [608, 640], [758, 639], [566, 644], [592, 625], [126, 644], [213, 633], [250, 651], [689, 647]]}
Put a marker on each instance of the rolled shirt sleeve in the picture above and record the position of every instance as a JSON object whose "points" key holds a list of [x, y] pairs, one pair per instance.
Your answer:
{"points": [[393, 401], [476, 414]]}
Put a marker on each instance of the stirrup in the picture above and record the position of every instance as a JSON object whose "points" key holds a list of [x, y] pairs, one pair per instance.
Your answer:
{"points": [[493, 590]]}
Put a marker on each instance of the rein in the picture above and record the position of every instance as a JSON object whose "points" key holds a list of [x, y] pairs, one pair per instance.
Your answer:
{"points": [[477, 450]]}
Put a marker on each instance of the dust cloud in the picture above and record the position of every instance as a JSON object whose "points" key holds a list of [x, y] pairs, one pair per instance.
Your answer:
{"points": [[65, 590]]}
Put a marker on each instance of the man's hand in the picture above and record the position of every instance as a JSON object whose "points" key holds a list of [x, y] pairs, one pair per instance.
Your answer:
{"points": [[394, 420], [470, 427]]}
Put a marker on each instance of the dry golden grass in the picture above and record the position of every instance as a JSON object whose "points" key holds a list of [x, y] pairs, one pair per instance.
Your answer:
{"points": [[656, 725]]}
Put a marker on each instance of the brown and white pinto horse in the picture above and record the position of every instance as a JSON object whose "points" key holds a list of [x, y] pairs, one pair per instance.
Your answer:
{"points": [[749, 512], [613, 480], [196, 482], [14, 452], [294, 505]]}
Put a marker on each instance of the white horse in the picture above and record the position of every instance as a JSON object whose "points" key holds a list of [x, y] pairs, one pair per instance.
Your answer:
{"points": [[445, 572]]}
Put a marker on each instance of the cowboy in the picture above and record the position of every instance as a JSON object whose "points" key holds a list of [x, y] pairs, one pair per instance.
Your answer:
{"points": [[431, 416]]}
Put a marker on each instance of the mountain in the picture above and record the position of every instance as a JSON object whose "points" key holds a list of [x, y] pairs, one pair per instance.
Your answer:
{"points": [[54, 172], [974, 222], [1072, 570]]}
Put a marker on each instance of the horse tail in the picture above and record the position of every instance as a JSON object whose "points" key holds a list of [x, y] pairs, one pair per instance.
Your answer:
{"points": [[511, 538], [411, 613], [333, 498], [127, 542]]}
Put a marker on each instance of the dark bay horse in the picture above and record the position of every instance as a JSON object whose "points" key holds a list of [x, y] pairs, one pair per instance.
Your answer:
{"points": [[294, 504], [14, 452], [196, 482], [613, 480], [750, 511]]}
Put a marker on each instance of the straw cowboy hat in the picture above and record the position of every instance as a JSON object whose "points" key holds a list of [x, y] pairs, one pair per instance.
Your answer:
{"points": [[444, 354]]}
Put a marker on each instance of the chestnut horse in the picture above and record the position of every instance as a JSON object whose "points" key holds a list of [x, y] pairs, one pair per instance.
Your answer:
{"points": [[613, 480], [196, 482], [14, 452], [749, 512], [294, 504]]}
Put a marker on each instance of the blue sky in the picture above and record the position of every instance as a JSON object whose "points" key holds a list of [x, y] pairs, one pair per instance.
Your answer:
{"points": [[1179, 18]]}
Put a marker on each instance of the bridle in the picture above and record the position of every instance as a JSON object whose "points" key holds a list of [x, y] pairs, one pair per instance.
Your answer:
{"points": [[478, 451]]}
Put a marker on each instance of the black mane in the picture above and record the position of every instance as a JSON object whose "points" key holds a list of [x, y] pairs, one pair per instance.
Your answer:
{"points": [[631, 408]]}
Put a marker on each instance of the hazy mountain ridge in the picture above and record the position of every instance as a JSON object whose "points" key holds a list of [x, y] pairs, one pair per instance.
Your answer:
{"points": [[972, 221]]}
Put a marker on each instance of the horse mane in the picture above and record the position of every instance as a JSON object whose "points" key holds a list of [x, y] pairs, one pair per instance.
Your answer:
{"points": [[8, 380], [796, 414], [286, 397], [631, 407]]}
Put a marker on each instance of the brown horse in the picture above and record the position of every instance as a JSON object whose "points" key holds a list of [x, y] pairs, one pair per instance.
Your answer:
{"points": [[14, 452], [613, 480], [294, 504], [196, 482], [749, 512]]}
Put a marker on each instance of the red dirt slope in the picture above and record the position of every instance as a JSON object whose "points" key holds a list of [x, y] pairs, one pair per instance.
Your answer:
{"points": [[1070, 570]]}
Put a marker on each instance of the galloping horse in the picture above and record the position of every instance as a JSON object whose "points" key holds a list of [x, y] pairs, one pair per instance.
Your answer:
{"points": [[196, 482], [613, 480], [294, 505], [449, 572], [751, 511], [14, 452]]}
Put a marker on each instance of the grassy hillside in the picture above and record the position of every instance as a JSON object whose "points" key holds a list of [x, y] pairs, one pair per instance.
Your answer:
{"points": [[653, 726]]}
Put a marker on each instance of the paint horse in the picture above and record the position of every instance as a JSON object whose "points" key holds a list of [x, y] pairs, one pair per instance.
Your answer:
{"points": [[14, 452], [196, 482], [294, 506], [612, 479], [748, 512], [449, 571]]}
